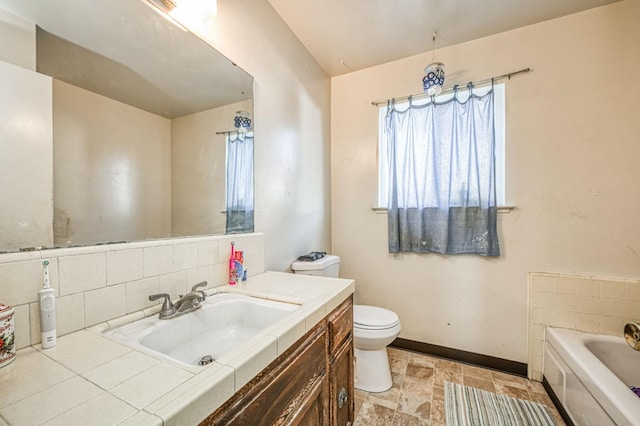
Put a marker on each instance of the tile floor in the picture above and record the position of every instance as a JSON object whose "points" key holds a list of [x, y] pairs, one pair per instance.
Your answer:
{"points": [[417, 395]]}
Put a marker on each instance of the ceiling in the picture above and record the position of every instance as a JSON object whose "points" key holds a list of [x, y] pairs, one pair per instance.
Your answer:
{"points": [[345, 36]]}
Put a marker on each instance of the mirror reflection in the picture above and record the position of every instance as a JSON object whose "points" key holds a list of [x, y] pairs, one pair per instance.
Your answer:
{"points": [[124, 128]]}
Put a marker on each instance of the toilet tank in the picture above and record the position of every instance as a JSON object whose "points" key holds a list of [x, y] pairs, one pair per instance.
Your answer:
{"points": [[328, 266]]}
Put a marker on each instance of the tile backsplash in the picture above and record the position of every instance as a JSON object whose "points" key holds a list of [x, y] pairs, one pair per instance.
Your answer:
{"points": [[579, 302], [98, 283]]}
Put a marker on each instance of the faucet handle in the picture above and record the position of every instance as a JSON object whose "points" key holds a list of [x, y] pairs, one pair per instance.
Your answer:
{"points": [[200, 284], [167, 306]]}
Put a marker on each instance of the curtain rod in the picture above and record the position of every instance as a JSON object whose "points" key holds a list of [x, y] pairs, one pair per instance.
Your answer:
{"points": [[450, 89], [229, 132]]}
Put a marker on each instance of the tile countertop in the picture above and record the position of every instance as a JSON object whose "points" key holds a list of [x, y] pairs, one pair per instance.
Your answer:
{"points": [[90, 379]]}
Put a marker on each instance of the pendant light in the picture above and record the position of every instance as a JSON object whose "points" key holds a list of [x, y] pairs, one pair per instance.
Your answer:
{"points": [[433, 80]]}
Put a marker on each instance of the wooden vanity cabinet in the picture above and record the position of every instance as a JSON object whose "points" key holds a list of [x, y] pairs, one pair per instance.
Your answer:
{"points": [[341, 366], [310, 384]]}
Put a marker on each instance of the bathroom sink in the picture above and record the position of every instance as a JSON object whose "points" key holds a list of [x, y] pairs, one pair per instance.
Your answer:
{"points": [[224, 322]]}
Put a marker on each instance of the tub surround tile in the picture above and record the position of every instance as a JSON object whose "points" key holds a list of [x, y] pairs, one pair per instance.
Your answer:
{"points": [[587, 322], [588, 288], [626, 308], [632, 291], [612, 289], [567, 286], [613, 326], [544, 283], [580, 302]]}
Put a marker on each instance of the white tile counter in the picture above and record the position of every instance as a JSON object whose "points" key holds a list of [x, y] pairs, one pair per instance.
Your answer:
{"points": [[90, 379]]}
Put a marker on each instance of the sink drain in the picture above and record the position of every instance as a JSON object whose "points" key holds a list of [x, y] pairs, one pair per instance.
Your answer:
{"points": [[205, 360]]}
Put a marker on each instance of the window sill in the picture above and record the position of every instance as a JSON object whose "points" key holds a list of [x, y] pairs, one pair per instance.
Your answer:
{"points": [[501, 209]]}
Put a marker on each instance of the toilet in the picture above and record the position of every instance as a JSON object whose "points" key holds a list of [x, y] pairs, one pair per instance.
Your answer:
{"points": [[374, 328]]}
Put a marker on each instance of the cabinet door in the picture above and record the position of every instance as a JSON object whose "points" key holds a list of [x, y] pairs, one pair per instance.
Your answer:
{"points": [[286, 392], [315, 409], [342, 403]]}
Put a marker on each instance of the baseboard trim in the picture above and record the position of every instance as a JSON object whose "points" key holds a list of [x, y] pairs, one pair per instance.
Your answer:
{"points": [[554, 398], [486, 361]]}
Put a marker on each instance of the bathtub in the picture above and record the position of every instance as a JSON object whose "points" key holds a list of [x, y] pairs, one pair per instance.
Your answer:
{"points": [[591, 374]]}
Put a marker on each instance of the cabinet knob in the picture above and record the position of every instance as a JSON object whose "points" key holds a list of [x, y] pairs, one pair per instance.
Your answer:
{"points": [[342, 397]]}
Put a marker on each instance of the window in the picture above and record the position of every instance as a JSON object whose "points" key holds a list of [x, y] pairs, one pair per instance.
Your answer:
{"points": [[499, 113], [442, 171]]}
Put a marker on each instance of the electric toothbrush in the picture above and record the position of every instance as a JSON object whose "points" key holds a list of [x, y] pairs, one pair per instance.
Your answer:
{"points": [[47, 299]]}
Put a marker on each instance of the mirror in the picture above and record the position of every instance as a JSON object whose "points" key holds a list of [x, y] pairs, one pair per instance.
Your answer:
{"points": [[128, 140]]}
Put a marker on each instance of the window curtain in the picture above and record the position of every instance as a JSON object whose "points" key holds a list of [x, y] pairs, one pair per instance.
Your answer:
{"points": [[239, 206], [441, 176]]}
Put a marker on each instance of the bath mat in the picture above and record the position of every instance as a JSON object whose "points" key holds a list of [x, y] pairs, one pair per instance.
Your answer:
{"points": [[467, 406]]}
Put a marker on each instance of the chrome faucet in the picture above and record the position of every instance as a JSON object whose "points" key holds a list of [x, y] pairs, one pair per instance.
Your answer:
{"points": [[190, 302]]}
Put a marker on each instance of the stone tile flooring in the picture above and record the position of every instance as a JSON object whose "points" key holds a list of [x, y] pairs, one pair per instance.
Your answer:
{"points": [[417, 395]]}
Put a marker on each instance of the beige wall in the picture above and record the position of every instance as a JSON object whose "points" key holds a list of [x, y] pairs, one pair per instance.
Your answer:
{"points": [[112, 174], [292, 129], [571, 169], [198, 170]]}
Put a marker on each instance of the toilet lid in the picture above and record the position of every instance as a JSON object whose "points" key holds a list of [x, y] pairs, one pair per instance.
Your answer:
{"points": [[373, 317]]}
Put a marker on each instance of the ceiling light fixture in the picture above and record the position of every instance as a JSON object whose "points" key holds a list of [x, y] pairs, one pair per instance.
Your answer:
{"points": [[433, 80], [192, 13]]}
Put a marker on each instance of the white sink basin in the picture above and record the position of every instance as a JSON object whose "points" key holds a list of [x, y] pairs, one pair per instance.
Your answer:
{"points": [[224, 322]]}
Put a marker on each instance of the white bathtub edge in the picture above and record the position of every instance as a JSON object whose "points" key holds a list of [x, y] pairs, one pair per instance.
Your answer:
{"points": [[620, 403]]}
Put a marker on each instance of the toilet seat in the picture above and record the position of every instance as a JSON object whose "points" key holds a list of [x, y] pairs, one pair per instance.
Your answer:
{"points": [[374, 318]]}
